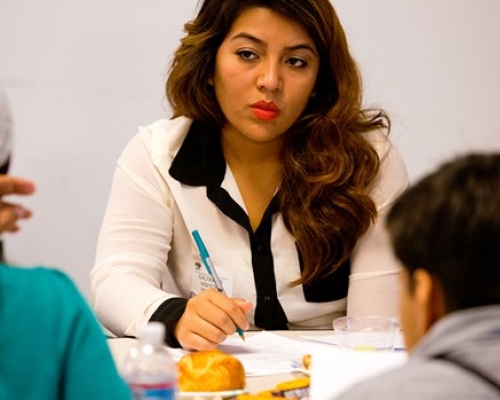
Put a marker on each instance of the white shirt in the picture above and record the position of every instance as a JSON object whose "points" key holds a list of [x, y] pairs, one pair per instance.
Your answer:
{"points": [[146, 254]]}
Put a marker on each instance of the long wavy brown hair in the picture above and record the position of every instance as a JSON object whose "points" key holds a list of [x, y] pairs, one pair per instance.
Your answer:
{"points": [[328, 164]]}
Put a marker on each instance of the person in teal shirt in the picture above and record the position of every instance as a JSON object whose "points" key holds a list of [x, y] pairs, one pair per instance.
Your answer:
{"points": [[51, 345]]}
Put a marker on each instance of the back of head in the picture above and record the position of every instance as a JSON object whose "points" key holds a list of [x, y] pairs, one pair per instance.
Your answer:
{"points": [[449, 225]]}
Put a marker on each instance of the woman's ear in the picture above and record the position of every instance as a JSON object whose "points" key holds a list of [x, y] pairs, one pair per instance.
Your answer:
{"points": [[210, 80]]}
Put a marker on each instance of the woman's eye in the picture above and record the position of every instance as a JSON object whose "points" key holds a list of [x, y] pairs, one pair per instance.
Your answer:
{"points": [[297, 62], [247, 55]]}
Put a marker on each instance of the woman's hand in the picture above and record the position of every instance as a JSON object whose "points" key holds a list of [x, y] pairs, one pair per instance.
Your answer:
{"points": [[209, 317], [11, 213]]}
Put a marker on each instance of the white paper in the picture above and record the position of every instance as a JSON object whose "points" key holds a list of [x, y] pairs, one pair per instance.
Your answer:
{"points": [[331, 340], [333, 371], [263, 353]]}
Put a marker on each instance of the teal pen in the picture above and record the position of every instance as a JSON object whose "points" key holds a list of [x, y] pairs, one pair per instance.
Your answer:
{"points": [[211, 270]]}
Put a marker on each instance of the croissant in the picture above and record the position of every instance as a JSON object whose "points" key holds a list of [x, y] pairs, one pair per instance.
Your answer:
{"points": [[210, 371], [306, 361]]}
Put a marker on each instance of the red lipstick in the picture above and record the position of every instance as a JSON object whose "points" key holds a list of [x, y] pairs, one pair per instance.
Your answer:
{"points": [[265, 110]]}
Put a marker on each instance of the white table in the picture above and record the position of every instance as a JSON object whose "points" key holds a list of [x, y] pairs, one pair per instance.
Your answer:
{"points": [[120, 346]]}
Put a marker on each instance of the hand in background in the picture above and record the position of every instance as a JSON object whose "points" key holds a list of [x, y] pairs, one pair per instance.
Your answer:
{"points": [[209, 317], [11, 213]]}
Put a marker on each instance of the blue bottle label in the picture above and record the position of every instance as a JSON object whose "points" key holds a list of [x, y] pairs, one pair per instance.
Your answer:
{"points": [[159, 391]]}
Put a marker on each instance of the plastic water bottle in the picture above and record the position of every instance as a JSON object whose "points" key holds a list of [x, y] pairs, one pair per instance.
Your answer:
{"points": [[148, 368]]}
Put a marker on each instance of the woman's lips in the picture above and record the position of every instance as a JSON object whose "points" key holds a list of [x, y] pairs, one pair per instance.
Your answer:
{"points": [[265, 111]]}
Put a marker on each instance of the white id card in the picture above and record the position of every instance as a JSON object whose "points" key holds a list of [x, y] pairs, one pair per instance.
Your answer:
{"points": [[201, 280]]}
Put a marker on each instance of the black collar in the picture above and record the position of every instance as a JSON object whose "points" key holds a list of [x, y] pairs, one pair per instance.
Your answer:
{"points": [[200, 161]]}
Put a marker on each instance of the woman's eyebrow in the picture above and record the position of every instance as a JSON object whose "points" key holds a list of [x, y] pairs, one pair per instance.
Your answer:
{"points": [[244, 35]]}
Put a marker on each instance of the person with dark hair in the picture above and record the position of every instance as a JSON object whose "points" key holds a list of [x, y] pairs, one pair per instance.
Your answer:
{"points": [[445, 231], [272, 157]]}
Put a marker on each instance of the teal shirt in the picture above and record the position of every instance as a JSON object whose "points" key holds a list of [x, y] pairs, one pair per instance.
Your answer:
{"points": [[51, 345]]}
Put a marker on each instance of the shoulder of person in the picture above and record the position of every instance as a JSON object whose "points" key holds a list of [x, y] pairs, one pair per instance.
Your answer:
{"points": [[167, 127], [42, 287], [51, 276], [388, 154], [393, 177], [380, 140], [163, 135]]}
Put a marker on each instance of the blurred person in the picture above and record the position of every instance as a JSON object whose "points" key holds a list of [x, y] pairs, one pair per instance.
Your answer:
{"points": [[51, 344], [445, 231], [271, 156]]}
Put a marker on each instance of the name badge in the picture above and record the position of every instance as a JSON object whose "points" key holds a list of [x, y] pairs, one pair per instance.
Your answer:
{"points": [[201, 280]]}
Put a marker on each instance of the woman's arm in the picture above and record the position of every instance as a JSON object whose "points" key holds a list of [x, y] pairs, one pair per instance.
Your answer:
{"points": [[133, 243]]}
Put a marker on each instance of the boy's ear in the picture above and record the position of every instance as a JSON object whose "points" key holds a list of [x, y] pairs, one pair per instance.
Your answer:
{"points": [[429, 297]]}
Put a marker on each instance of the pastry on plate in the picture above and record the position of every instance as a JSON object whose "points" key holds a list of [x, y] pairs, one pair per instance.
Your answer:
{"points": [[306, 361], [210, 371]]}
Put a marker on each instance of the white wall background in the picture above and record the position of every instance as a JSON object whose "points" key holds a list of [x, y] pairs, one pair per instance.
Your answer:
{"points": [[81, 76]]}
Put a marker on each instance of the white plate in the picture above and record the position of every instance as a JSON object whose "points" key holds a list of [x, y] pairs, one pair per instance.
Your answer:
{"points": [[211, 395], [303, 370]]}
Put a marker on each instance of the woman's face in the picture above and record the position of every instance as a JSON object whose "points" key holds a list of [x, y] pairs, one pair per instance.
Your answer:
{"points": [[265, 72]]}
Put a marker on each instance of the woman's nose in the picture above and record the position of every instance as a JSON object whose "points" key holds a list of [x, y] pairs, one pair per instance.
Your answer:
{"points": [[269, 77]]}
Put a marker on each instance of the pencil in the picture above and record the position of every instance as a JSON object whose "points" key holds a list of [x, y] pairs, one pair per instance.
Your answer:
{"points": [[205, 257]]}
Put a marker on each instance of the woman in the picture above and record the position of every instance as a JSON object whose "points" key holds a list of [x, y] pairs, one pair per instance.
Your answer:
{"points": [[271, 158]]}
